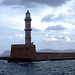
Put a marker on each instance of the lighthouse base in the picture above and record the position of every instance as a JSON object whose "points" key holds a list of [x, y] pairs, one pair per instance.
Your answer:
{"points": [[23, 51]]}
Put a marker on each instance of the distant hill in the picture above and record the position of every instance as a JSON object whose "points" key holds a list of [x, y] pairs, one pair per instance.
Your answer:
{"points": [[69, 50], [61, 51], [5, 53]]}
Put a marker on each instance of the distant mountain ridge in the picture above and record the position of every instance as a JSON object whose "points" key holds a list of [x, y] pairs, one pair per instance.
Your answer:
{"points": [[61, 51], [7, 52]]}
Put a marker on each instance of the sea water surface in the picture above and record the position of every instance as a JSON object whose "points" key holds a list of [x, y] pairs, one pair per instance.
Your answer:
{"points": [[63, 67]]}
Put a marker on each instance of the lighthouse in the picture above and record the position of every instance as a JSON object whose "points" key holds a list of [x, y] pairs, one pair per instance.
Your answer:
{"points": [[27, 28], [27, 50]]}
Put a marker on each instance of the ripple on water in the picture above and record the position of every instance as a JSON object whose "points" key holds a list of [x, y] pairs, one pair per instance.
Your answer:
{"points": [[65, 67]]}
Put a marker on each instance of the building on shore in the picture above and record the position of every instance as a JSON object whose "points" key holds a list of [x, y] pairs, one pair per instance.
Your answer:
{"points": [[27, 51]]}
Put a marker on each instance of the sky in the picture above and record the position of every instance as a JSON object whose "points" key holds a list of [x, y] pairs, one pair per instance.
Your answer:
{"points": [[53, 23]]}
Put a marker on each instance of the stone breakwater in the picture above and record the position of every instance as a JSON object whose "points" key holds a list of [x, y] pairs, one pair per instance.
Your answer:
{"points": [[42, 57]]}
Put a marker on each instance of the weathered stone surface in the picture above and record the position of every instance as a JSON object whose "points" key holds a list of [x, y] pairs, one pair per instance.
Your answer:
{"points": [[23, 51], [53, 56]]}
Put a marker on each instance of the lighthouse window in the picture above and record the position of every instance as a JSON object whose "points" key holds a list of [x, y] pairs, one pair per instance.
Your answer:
{"points": [[28, 15]]}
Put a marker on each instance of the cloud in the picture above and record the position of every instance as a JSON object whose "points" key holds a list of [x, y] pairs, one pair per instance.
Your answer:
{"points": [[10, 37], [51, 17], [57, 38], [57, 27], [28, 3], [50, 39], [65, 33], [63, 38], [25, 3], [65, 16], [66, 12], [48, 18], [46, 35], [19, 35], [60, 17]]}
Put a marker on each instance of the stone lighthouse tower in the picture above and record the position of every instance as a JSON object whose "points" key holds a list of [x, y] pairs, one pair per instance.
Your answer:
{"points": [[27, 50], [27, 28]]}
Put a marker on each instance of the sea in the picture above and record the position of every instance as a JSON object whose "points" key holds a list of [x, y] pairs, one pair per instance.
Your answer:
{"points": [[58, 67]]}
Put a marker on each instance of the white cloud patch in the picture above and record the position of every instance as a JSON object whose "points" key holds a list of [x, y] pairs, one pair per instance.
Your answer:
{"points": [[60, 38], [19, 35], [46, 35], [52, 36], [67, 39], [65, 33], [10, 37]]}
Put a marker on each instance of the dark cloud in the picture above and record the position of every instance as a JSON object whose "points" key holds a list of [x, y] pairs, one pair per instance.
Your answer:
{"points": [[64, 16], [47, 18], [57, 27], [60, 17], [50, 17], [27, 3]]}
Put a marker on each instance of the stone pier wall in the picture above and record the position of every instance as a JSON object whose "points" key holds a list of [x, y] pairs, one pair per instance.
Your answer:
{"points": [[47, 56]]}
